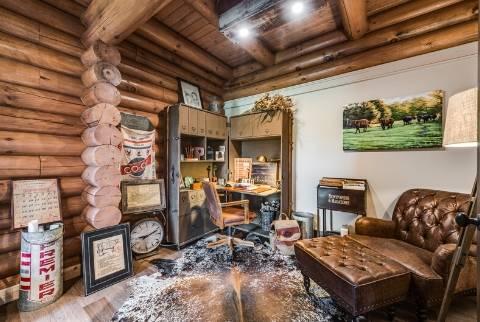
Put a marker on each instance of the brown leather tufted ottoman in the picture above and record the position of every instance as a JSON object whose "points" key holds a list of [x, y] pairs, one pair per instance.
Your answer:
{"points": [[359, 279]]}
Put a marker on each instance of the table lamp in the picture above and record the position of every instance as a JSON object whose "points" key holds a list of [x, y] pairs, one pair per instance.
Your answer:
{"points": [[461, 131]]}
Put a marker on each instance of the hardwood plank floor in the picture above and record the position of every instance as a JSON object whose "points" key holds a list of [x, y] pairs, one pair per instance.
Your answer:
{"points": [[101, 306]]}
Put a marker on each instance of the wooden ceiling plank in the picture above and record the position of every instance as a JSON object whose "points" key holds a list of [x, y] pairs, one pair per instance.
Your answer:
{"points": [[68, 6], [206, 30], [114, 20], [169, 10], [456, 14], [174, 42], [195, 26], [180, 14], [437, 40], [206, 8], [246, 69], [354, 17], [407, 11], [187, 21]]}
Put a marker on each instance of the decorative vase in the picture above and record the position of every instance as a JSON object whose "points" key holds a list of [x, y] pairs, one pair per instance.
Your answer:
{"points": [[216, 105], [267, 218]]}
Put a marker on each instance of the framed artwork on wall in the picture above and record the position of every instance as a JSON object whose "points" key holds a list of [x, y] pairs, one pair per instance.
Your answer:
{"points": [[106, 257], [401, 123], [142, 196], [37, 199], [190, 94]]}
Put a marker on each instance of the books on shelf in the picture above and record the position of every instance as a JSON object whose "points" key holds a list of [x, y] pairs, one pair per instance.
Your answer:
{"points": [[348, 184]]}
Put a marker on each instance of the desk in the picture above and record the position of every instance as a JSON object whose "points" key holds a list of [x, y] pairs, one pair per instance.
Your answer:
{"points": [[260, 191]]}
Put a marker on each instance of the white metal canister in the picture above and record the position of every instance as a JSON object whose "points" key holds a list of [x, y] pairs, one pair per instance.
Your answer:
{"points": [[41, 263]]}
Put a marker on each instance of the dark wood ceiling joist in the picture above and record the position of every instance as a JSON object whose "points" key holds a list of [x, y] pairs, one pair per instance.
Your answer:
{"points": [[114, 20]]}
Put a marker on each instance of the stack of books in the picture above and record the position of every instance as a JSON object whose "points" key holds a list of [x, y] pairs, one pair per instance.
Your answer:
{"points": [[353, 184], [348, 184], [331, 182]]}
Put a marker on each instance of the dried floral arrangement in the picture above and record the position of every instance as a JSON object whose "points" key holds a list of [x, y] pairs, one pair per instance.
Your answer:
{"points": [[273, 104]]}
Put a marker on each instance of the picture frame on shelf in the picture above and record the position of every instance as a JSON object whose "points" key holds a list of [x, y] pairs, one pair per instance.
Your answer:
{"points": [[106, 257], [190, 94], [143, 196], [219, 155], [37, 199]]}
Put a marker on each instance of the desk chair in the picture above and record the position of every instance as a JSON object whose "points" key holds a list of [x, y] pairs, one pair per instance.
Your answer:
{"points": [[226, 215]]}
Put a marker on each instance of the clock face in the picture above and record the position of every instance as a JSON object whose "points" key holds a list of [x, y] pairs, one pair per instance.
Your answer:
{"points": [[146, 236]]}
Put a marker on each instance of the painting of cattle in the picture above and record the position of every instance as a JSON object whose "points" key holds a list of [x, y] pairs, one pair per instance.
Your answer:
{"points": [[411, 122]]}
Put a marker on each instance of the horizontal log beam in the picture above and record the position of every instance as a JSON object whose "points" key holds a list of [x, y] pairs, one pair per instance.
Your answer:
{"points": [[407, 11], [440, 19], [246, 69], [317, 43], [138, 41], [165, 37], [114, 20], [257, 50], [19, 143], [354, 17], [437, 40], [40, 100], [51, 16]]}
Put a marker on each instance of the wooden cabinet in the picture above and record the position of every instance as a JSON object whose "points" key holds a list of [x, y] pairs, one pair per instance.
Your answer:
{"points": [[192, 121], [201, 123], [266, 125], [241, 126], [216, 126], [183, 119]]}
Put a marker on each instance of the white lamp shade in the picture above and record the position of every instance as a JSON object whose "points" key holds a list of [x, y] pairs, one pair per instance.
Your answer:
{"points": [[461, 120]]}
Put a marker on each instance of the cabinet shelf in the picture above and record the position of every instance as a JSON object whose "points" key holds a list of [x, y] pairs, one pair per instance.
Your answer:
{"points": [[197, 161]]}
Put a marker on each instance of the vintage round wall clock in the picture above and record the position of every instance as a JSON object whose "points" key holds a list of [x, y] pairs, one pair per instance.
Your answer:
{"points": [[146, 235]]}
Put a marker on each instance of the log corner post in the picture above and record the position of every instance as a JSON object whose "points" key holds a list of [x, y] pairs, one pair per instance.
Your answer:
{"points": [[102, 138]]}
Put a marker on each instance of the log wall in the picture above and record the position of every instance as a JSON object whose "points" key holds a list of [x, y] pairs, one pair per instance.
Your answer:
{"points": [[40, 108]]}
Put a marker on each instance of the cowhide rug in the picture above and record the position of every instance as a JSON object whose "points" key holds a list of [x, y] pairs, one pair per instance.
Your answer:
{"points": [[206, 285]]}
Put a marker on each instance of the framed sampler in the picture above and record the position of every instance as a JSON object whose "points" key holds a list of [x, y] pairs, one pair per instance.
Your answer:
{"points": [[37, 199], [106, 257], [143, 195]]}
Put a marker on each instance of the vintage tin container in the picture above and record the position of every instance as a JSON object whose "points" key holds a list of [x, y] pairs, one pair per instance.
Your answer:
{"points": [[41, 261]]}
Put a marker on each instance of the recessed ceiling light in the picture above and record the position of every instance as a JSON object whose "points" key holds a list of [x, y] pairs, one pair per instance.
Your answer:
{"points": [[297, 7], [243, 32]]}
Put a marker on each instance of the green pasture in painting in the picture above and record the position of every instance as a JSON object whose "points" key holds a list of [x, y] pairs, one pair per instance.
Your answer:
{"points": [[413, 122]]}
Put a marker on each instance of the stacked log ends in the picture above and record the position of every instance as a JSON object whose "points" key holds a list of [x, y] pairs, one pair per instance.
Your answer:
{"points": [[102, 138], [101, 114]]}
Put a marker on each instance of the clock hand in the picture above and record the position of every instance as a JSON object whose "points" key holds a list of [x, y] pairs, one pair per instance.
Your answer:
{"points": [[143, 237]]}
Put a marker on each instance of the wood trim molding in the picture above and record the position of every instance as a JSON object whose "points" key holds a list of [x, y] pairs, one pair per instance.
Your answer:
{"points": [[354, 17]]}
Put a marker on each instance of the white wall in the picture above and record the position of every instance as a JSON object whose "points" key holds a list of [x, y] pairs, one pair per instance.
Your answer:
{"points": [[318, 131]]}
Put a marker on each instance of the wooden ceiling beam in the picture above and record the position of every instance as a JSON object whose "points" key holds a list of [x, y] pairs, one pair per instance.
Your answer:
{"points": [[444, 38], [177, 44], [354, 17], [407, 11], [113, 20], [455, 14], [255, 48], [205, 8]]}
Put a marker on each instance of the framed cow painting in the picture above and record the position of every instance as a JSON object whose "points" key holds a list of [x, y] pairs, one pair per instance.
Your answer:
{"points": [[400, 123]]}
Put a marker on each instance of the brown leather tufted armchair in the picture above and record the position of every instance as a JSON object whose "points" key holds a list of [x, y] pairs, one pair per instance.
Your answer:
{"points": [[422, 236]]}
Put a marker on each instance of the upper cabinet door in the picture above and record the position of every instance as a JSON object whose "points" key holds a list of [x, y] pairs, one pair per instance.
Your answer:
{"points": [[241, 126], [183, 116], [201, 120], [222, 127], [266, 125], [192, 121], [209, 125]]}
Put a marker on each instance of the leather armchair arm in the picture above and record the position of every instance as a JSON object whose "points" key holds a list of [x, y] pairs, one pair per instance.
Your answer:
{"points": [[375, 227], [443, 256]]}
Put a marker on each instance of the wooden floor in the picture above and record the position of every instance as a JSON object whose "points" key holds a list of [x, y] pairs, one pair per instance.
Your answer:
{"points": [[101, 306]]}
